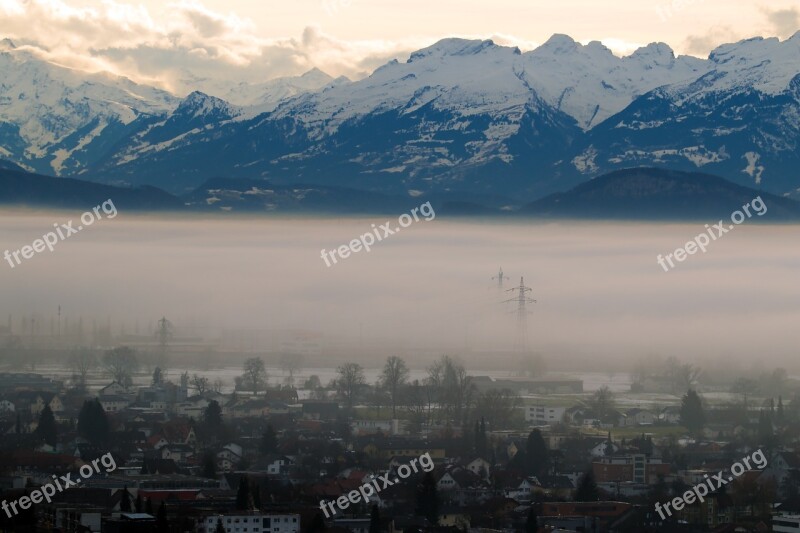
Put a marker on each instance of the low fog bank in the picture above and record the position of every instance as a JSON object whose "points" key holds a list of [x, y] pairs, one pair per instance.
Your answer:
{"points": [[233, 287]]}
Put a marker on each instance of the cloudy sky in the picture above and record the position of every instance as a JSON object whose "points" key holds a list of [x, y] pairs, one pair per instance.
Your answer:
{"points": [[255, 40]]}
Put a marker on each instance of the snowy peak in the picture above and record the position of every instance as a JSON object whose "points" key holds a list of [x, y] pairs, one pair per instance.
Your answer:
{"points": [[456, 47], [655, 53], [560, 44]]}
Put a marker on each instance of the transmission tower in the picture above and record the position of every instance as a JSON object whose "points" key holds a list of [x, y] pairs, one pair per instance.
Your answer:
{"points": [[522, 299], [500, 277]]}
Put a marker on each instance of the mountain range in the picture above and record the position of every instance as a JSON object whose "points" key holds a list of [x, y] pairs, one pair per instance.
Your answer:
{"points": [[630, 194], [462, 118]]}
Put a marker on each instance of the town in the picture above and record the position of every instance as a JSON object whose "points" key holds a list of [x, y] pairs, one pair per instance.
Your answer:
{"points": [[278, 450]]}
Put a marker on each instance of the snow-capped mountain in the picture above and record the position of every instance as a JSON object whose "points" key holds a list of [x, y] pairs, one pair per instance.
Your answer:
{"points": [[58, 120], [461, 114]]}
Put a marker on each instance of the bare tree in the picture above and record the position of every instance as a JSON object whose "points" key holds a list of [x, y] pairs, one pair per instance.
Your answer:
{"points": [[602, 402], [218, 385], [254, 377], [350, 381], [200, 383], [498, 406], [452, 387], [82, 362], [394, 376], [121, 363], [291, 364]]}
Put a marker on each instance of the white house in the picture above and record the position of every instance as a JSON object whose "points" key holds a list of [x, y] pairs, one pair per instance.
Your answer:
{"points": [[480, 467], [253, 522], [540, 414], [113, 403], [638, 417]]}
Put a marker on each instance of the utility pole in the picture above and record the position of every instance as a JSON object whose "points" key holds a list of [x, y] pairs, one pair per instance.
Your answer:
{"points": [[521, 299]]}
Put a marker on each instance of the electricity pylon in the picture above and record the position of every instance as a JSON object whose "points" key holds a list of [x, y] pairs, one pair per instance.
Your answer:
{"points": [[500, 277], [522, 299]]}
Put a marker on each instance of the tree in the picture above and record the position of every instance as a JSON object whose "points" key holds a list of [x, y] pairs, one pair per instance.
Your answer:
{"points": [[158, 376], [452, 387], [587, 488], [210, 465], [93, 423], [82, 362], [312, 382], [499, 406], [200, 383], [602, 402], [480, 438], [269, 441], [47, 429], [765, 429], [428, 499], [243, 500], [609, 451], [532, 522], [780, 418], [148, 506], [212, 415], [692, 415], [746, 387], [162, 524], [138, 505], [125, 501], [350, 381], [121, 363], [537, 453], [375, 520], [291, 363], [257, 496], [394, 376], [220, 528], [254, 377], [317, 524]]}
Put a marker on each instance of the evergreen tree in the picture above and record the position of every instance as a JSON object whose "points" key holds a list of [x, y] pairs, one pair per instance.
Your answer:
{"points": [[125, 501], [532, 522], [93, 423], [220, 527], [47, 429], [765, 432], [480, 438], [212, 417], [537, 454], [587, 488], [375, 520], [609, 450], [243, 500], [317, 524], [138, 505], [269, 441], [162, 524], [257, 497], [692, 415], [209, 465], [428, 499], [148, 507], [779, 415]]}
